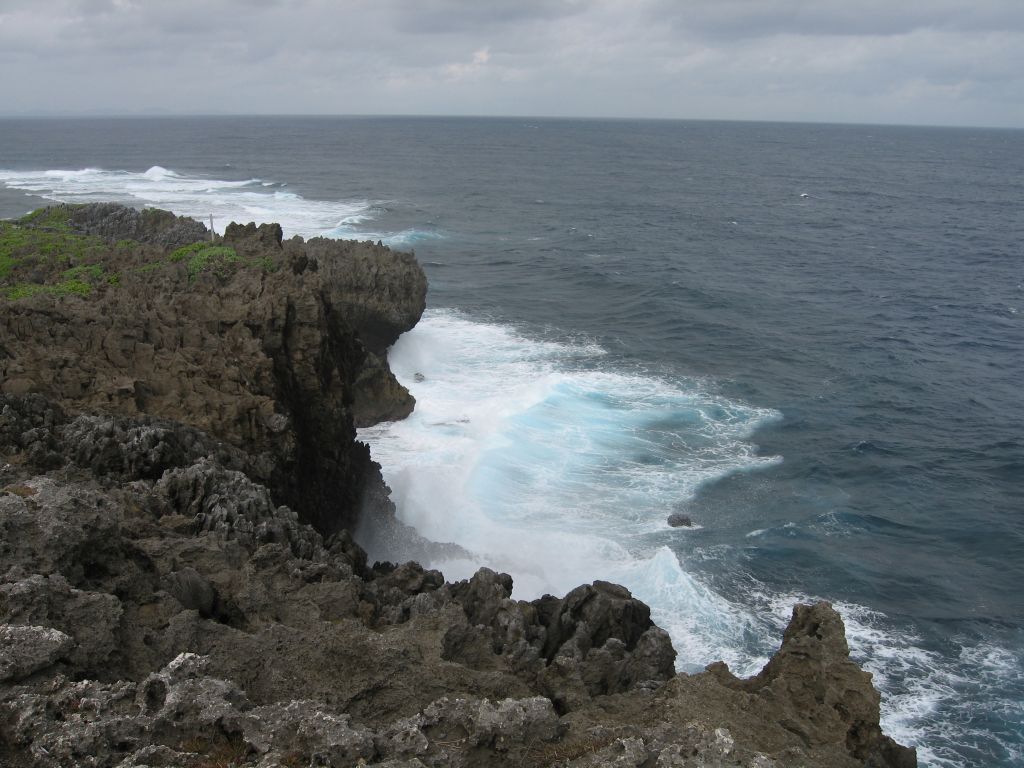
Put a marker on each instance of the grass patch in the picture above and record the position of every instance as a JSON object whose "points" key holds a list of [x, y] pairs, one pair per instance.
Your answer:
{"points": [[217, 259], [85, 271], [7, 263], [63, 288], [207, 257], [216, 752], [18, 242], [53, 218], [180, 254], [41, 254]]}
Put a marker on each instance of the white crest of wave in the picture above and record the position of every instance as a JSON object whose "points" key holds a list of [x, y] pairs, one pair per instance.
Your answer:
{"points": [[157, 173], [546, 465]]}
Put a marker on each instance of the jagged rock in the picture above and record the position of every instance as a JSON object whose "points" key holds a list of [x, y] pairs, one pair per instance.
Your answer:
{"points": [[91, 619], [498, 725], [387, 664], [253, 238], [378, 394], [382, 293], [190, 589], [115, 222], [229, 502], [596, 640], [303, 727], [693, 746], [28, 649], [826, 697]]}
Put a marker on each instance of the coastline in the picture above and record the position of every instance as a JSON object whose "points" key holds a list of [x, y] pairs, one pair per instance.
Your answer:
{"points": [[219, 591]]}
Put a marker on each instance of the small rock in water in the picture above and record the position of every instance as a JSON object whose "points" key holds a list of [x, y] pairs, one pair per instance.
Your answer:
{"points": [[677, 520], [419, 377]]}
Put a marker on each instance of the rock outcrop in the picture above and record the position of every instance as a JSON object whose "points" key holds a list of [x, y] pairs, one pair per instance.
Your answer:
{"points": [[179, 584], [271, 346], [114, 222]]}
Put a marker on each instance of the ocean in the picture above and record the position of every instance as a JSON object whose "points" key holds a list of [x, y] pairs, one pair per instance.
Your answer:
{"points": [[808, 339]]}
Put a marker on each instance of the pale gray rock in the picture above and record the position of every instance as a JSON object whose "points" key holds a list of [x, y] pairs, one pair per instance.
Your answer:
{"points": [[28, 649]]}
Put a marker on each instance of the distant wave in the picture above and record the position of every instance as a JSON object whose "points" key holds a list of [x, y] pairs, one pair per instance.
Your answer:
{"points": [[200, 197]]}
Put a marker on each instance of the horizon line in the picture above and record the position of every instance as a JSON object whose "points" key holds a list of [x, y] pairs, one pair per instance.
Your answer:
{"points": [[565, 118]]}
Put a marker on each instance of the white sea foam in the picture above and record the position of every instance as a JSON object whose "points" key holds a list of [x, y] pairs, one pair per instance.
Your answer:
{"points": [[198, 196], [558, 472], [545, 464]]}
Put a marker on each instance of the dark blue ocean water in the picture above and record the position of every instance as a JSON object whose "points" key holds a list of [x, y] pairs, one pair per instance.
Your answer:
{"points": [[807, 338]]}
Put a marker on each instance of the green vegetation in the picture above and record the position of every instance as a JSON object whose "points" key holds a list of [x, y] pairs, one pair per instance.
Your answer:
{"points": [[63, 288], [41, 254], [50, 218], [218, 259], [94, 271], [184, 252], [203, 257], [18, 242]]}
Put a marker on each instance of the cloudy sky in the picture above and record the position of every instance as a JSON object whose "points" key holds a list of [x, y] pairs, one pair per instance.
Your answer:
{"points": [[945, 62]]}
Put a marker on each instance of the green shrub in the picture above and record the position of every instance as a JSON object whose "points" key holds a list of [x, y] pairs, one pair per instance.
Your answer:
{"points": [[50, 218], [266, 263], [93, 271], [63, 288], [216, 258], [180, 254]]}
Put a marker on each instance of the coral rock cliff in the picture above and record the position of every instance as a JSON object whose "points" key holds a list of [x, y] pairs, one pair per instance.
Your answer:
{"points": [[179, 584]]}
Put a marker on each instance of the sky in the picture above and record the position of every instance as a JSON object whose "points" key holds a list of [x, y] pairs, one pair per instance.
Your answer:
{"points": [[933, 62]]}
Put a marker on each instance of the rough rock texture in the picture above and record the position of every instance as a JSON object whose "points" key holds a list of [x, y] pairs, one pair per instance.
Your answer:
{"points": [[276, 361], [117, 222], [812, 676], [181, 617], [27, 649], [165, 601]]}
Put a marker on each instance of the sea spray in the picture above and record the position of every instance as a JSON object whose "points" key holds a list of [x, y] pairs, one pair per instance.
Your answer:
{"points": [[545, 462]]}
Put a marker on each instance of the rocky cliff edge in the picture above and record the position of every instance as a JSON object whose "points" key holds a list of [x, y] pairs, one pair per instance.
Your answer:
{"points": [[178, 581]]}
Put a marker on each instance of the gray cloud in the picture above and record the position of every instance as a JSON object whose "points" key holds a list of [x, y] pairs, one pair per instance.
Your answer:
{"points": [[936, 61], [754, 18]]}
